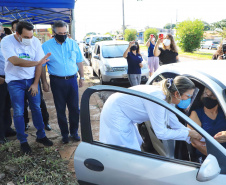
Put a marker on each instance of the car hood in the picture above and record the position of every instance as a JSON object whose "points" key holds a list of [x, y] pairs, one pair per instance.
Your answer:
{"points": [[116, 62]]}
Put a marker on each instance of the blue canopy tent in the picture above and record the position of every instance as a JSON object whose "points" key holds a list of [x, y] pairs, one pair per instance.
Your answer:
{"points": [[36, 11]]}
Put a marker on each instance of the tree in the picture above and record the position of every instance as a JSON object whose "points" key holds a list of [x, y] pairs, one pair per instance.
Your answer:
{"points": [[220, 24], [130, 34], [168, 26], [189, 34], [206, 26], [150, 31]]}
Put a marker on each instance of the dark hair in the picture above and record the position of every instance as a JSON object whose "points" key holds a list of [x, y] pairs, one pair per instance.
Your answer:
{"points": [[138, 48], [14, 22], [58, 24], [24, 24], [7, 31]]}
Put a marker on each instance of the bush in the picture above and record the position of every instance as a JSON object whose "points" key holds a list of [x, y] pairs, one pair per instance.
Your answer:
{"points": [[189, 34], [150, 31], [130, 34]]}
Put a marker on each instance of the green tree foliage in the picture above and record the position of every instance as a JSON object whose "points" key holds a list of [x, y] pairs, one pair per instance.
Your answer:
{"points": [[168, 26], [150, 31], [130, 34], [189, 34], [206, 26], [221, 24]]}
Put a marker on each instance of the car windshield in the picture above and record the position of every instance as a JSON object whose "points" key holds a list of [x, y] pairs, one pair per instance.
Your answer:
{"points": [[114, 51], [98, 39]]}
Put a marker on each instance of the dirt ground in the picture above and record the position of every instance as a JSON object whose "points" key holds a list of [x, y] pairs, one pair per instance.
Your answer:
{"points": [[64, 151]]}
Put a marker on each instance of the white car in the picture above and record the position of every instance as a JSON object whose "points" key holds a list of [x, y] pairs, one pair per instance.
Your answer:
{"points": [[104, 164], [109, 64], [209, 45]]}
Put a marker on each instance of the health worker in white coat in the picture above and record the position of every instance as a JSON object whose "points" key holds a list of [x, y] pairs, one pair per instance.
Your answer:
{"points": [[121, 112]]}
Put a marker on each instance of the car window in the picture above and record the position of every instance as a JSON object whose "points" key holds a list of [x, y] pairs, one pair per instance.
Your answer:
{"points": [[114, 51], [98, 39]]}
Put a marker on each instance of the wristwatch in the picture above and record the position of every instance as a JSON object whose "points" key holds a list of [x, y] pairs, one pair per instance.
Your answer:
{"points": [[82, 78]]}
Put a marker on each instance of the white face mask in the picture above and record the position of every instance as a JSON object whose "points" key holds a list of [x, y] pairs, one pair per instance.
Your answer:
{"points": [[26, 42], [153, 39], [166, 42]]}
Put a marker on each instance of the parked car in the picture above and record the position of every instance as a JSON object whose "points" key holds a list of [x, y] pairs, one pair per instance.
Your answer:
{"points": [[109, 64], [91, 44], [210, 45], [101, 163]]}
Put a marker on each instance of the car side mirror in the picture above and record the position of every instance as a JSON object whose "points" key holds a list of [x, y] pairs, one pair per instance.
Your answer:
{"points": [[97, 57], [209, 169]]}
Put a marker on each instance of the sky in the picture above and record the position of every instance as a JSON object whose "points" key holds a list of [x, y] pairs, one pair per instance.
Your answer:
{"points": [[102, 16]]}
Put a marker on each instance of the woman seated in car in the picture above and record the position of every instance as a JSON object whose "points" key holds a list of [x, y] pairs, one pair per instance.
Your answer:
{"points": [[212, 119]]}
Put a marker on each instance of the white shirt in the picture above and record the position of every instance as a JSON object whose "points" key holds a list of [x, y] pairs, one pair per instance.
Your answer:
{"points": [[2, 63], [11, 47], [121, 112]]}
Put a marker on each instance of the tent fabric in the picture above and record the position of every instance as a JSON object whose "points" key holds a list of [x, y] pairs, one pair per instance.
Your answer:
{"points": [[36, 11]]}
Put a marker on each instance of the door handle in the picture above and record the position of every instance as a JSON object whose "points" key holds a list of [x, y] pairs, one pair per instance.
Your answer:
{"points": [[94, 165]]}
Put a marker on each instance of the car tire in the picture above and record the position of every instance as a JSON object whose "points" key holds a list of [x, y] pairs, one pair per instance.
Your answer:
{"points": [[101, 80]]}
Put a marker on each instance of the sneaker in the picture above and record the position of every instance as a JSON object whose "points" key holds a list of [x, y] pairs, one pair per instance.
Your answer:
{"points": [[48, 127], [75, 137], [10, 132], [65, 140], [25, 148], [45, 141]]}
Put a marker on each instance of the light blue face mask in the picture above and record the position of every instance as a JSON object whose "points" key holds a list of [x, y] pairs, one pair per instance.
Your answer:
{"points": [[184, 103]]}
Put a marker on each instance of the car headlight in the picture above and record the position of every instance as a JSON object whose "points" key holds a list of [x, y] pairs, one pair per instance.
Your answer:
{"points": [[107, 68]]}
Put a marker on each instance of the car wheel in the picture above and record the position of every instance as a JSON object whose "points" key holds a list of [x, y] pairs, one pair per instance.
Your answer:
{"points": [[101, 80]]}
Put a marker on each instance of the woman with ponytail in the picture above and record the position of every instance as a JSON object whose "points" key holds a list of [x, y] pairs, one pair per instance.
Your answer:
{"points": [[121, 112]]}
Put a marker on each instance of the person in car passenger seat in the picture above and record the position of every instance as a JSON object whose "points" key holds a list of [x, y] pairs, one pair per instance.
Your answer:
{"points": [[212, 119], [121, 112]]}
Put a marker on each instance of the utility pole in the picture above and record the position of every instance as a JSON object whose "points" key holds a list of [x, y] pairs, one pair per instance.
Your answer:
{"points": [[123, 17]]}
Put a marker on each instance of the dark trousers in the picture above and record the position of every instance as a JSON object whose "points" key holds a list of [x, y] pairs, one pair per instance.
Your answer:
{"points": [[45, 114], [65, 93], [5, 114]]}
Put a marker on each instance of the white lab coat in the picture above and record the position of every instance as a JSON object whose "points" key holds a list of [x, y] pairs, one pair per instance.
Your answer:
{"points": [[121, 112]]}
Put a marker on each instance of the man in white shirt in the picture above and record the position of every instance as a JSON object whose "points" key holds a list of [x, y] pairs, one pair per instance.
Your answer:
{"points": [[24, 58], [5, 104]]}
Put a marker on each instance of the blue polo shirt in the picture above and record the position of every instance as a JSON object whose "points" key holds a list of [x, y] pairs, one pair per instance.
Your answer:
{"points": [[133, 63], [64, 58]]}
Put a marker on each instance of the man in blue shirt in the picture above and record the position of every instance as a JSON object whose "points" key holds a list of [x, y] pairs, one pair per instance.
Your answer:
{"points": [[65, 61]]}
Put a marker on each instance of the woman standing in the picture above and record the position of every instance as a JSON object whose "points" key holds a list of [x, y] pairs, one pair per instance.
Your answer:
{"points": [[121, 112], [168, 54], [134, 59], [153, 61]]}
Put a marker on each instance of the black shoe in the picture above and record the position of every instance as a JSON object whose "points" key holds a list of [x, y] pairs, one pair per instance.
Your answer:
{"points": [[75, 137], [10, 132], [45, 141], [26, 126], [48, 127], [65, 140], [3, 141], [25, 148]]}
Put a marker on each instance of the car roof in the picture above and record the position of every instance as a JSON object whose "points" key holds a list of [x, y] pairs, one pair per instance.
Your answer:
{"points": [[112, 42], [213, 69]]}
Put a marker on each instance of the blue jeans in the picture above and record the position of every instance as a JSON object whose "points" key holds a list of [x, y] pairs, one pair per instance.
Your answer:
{"points": [[17, 90], [65, 93]]}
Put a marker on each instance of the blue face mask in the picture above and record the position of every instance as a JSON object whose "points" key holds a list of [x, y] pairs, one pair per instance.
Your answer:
{"points": [[184, 103]]}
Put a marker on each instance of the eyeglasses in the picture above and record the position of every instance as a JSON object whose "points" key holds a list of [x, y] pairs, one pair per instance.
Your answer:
{"points": [[210, 96]]}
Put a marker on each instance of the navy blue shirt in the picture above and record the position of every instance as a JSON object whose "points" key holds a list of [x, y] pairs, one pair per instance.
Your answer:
{"points": [[150, 50], [212, 127], [167, 56], [133, 63]]}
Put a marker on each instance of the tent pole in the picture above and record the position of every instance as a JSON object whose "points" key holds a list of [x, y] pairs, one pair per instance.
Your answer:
{"points": [[73, 24]]}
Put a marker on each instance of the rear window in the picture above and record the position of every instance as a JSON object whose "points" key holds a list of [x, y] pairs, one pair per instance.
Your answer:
{"points": [[98, 39]]}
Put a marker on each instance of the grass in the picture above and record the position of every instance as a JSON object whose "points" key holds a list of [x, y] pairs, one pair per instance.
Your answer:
{"points": [[44, 166], [196, 54]]}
